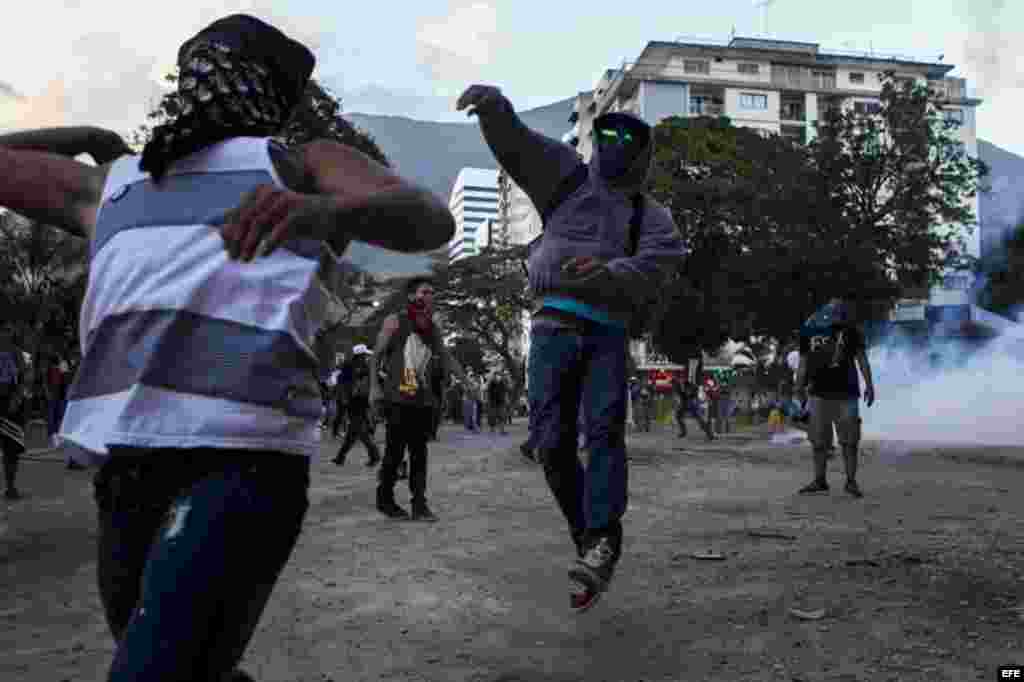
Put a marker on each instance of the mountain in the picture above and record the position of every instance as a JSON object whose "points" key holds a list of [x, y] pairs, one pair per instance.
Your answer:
{"points": [[432, 153], [1002, 208]]}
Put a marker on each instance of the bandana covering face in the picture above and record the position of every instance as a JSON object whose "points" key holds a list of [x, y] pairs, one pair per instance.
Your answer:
{"points": [[220, 95]]}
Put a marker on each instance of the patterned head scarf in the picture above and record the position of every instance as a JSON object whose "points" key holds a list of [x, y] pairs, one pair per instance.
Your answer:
{"points": [[237, 77]]}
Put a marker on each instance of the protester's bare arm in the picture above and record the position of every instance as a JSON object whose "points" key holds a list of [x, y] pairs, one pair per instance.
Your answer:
{"points": [[535, 162], [345, 195], [102, 145], [801, 374], [367, 201], [51, 189], [865, 371]]}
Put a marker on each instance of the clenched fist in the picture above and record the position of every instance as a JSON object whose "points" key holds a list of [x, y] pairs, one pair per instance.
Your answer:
{"points": [[476, 97]]}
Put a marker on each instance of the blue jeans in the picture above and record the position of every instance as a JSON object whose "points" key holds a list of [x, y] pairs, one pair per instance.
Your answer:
{"points": [[567, 365], [191, 542]]}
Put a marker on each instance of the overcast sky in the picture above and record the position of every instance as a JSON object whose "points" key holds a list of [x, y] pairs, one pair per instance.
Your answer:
{"points": [[99, 63]]}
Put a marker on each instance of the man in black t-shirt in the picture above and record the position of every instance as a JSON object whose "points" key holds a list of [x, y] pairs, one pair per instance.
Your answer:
{"points": [[831, 349]]}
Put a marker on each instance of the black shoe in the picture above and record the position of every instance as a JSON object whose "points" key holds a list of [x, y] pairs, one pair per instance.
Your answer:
{"points": [[12, 494], [339, 460], [527, 453], [240, 676], [392, 510], [853, 489], [814, 488], [421, 512], [373, 461], [590, 575], [75, 466]]}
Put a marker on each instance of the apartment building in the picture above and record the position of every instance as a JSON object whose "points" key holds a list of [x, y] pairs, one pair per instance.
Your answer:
{"points": [[473, 201]]}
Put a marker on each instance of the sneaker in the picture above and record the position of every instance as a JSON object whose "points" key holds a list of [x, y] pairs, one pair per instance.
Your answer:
{"points": [[581, 596], [814, 488], [339, 460], [392, 510], [853, 489], [421, 512], [12, 494], [594, 569]]}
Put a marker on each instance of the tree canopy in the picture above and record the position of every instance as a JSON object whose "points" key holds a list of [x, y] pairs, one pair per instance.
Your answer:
{"points": [[872, 206]]}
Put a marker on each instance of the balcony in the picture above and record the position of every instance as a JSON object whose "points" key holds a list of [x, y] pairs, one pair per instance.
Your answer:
{"points": [[706, 101], [802, 78], [792, 109], [949, 88]]}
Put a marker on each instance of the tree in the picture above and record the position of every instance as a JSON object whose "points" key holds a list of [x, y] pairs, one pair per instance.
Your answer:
{"points": [[44, 287], [483, 298], [774, 228], [898, 181], [1001, 282]]}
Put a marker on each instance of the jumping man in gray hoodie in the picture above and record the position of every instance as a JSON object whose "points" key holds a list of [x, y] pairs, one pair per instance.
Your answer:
{"points": [[590, 285]]}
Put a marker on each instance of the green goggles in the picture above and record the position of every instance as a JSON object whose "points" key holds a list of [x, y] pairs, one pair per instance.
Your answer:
{"points": [[614, 136]]}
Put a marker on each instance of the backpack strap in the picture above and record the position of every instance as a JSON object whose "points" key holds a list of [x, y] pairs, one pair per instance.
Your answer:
{"points": [[636, 223], [565, 189]]}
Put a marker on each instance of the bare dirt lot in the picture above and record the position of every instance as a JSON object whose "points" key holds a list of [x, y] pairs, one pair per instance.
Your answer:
{"points": [[919, 580]]}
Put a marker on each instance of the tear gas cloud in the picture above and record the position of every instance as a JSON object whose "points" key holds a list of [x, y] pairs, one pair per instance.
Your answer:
{"points": [[948, 391]]}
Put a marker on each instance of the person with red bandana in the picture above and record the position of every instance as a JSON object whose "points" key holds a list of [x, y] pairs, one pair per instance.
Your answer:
{"points": [[404, 397]]}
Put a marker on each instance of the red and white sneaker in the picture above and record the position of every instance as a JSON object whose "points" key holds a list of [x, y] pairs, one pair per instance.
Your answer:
{"points": [[582, 596]]}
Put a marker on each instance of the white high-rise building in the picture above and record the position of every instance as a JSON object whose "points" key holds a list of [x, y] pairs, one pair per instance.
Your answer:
{"points": [[474, 201]]}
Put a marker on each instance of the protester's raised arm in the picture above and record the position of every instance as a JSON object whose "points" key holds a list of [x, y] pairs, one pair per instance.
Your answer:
{"points": [[366, 201], [535, 162], [51, 189], [102, 145]]}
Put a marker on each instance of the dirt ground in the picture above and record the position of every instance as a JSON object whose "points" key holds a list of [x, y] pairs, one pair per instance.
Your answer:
{"points": [[920, 580]]}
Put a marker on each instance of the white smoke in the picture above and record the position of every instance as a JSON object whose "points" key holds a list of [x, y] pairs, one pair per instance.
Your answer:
{"points": [[948, 391]]}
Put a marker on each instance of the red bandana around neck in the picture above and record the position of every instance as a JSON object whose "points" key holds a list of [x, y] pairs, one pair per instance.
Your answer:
{"points": [[420, 318]]}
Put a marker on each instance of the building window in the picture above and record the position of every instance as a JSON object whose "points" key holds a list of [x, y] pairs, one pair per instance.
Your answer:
{"points": [[865, 108], [856, 77], [748, 68], [825, 80], [751, 101], [695, 66], [954, 115]]}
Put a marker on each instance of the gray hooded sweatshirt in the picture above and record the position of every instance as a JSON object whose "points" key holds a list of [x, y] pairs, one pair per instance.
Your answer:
{"points": [[593, 221]]}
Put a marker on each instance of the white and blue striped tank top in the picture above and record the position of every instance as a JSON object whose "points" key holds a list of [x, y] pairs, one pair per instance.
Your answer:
{"points": [[183, 347]]}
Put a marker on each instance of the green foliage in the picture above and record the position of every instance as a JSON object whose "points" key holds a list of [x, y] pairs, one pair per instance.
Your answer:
{"points": [[774, 229], [42, 296], [483, 298], [1002, 276]]}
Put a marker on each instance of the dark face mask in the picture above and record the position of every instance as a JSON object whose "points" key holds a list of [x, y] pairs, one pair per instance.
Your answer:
{"points": [[618, 146]]}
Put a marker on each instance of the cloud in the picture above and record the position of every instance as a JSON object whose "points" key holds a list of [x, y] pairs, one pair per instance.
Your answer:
{"points": [[7, 91], [993, 53], [457, 48], [97, 64]]}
